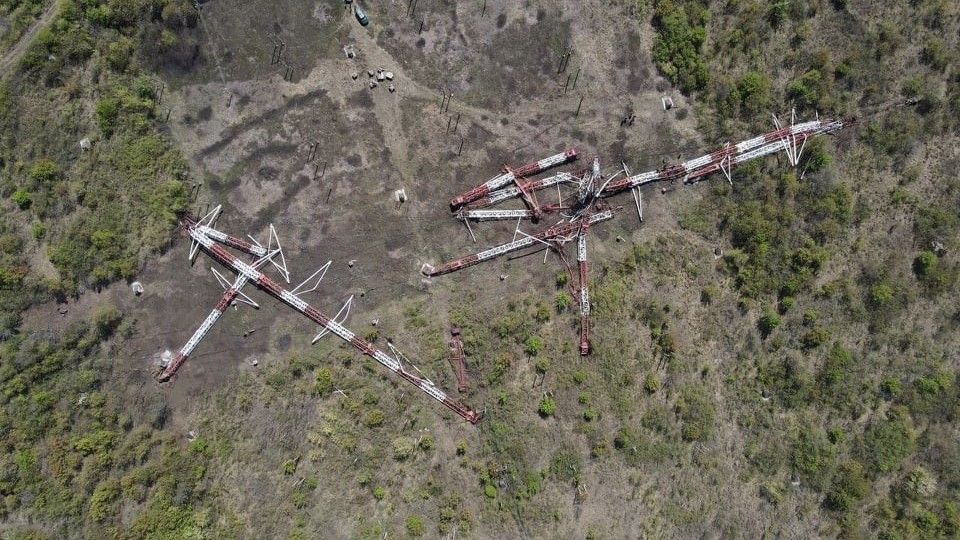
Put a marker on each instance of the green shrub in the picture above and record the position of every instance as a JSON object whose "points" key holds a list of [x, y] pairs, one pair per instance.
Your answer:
{"points": [[542, 365], [696, 414], [881, 295], [102, 499], [891, 388], [625, 438], [809, 91], [814, 337], [324, 382], [402, 448], [925, 264], [835, 366], [118, 53], [298, 498], [105, 320], [935, 54], [426, 443], [107, 112], [813, 456], [887, 443], [542, 313], [415, 525], [754, 90], [651, 383], [562, 302], [777, 13], [10, 244], [547, 406], [708, 294], [373, 418], [379, 493], [43, 173], [566, 465], [533, 345], [22, 199], [920, 483]]}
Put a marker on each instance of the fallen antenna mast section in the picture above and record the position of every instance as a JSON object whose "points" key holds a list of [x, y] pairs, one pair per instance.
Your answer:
{"points": [[584, 206], [198, 230]]}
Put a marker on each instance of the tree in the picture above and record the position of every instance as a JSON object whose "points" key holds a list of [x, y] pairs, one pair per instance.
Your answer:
{"points": [[754, 89], [678, 47], [768, 322], [935, 54], [22, 199], [849, 486]]}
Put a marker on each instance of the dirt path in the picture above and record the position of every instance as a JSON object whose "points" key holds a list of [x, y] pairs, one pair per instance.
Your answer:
{"points": [[14, 54]]}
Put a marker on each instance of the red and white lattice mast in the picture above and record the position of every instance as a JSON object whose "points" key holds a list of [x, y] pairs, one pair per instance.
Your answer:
{"points": [[199, 232], [591, 186], [584, 292], [512, 176]]}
